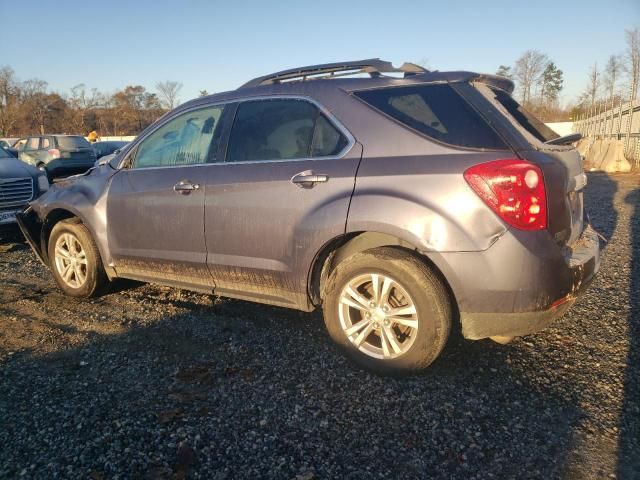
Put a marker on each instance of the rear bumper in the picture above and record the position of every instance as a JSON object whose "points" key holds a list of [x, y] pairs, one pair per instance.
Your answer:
{"points": [[519, 286]]}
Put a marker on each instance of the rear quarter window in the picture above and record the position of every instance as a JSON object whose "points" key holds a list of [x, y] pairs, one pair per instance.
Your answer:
{"points": [[523, 117], [436, 111], [72, 143]]}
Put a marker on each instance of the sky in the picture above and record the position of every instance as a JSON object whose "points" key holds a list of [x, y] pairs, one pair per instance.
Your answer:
{"points": [[217, 46]]}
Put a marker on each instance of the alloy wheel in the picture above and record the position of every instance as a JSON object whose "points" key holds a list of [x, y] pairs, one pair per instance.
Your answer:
{"points": [[71, 260], [378, 316]]}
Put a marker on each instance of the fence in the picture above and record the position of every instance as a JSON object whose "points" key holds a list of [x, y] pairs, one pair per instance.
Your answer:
{"points": [[608, 121]]}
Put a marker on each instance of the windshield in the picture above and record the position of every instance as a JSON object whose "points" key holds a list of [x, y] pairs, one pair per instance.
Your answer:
{"points": [[69, 143], [4, 154]]}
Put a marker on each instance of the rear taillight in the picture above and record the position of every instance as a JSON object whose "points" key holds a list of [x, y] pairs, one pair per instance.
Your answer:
{"points": [[54, 152], [514, 189]]}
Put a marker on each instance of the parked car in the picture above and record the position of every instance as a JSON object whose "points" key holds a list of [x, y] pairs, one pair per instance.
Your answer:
{"points": [[19, 184], [107, 147], [403, 207], [56, 154]]}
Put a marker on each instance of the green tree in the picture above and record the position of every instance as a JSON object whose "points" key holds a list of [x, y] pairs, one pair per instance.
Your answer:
{"points": [[504, 71], [551, 82]]}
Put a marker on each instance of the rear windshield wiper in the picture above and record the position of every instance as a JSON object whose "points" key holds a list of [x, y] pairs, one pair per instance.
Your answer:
{"points": [[566, 140]]}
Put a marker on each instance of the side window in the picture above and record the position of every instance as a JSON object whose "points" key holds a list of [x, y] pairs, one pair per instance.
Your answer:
{"points": [[281, 129], [45, 143], [436, 111], [33, 143], [20, 144], [185, 140], [272, 130], [327, 140]]}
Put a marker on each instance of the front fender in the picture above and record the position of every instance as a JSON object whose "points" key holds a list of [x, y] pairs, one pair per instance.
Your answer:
{"points": [[83, 197]]}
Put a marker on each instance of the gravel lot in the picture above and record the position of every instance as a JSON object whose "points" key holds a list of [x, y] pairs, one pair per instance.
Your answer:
{"points": [[158, 383]]}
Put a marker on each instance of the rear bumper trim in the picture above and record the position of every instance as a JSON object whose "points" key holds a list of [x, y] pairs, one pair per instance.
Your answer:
{"points": [[583, 261]]}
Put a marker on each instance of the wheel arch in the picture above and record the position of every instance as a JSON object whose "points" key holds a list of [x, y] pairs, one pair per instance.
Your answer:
{"points": [[53, 217], [340, 248]]}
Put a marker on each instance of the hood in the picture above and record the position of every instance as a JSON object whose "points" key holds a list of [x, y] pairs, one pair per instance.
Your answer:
{"points": [[14, 168]]}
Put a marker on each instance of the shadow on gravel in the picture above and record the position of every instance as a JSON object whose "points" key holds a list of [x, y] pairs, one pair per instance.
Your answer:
{"points": [[261, 392], [629, 446], [607, 188], [11, 234]]}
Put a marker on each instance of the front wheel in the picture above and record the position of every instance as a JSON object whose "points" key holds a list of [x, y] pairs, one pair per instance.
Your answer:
{"points": [[75, 260], [388, 310]]}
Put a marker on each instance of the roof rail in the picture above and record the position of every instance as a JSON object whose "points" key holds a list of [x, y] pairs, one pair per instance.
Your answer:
{"points": [[372, 66]]}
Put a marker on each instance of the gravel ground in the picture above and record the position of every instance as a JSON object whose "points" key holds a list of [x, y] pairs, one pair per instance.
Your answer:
{"points": [[158, 383]]}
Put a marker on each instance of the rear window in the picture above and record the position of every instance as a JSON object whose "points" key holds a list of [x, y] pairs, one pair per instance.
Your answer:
{"points": [[436, 111], [524, 118], [66, 143]]}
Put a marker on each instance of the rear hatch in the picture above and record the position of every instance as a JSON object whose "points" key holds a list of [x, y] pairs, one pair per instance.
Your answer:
{"points": [[77, 149], [561, 166]]}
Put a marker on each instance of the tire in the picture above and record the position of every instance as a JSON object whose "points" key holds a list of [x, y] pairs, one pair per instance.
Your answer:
{"points": [[411, 287], [89, 277]]}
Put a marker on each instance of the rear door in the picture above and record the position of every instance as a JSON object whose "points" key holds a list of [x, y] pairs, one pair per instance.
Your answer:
{"points": [[155, 206], [283, 192]]}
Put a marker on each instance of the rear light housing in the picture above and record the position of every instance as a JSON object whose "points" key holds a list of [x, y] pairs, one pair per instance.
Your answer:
{"points": [[54, 152], [513, 189]]}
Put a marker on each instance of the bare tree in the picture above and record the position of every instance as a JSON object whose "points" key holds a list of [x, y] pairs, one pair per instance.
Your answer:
{"points": [[593, 87], [37, 102], [632, 57], [611, 74], [80, 102], [527, 72], [9, 101], [168, 93]]}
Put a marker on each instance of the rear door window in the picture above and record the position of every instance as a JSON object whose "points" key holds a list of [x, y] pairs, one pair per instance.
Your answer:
{"points": [[282, 129], [33, 143], [436, 111]]}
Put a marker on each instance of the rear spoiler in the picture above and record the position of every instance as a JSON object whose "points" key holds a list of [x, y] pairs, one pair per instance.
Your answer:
{"points": [[496, 81]]}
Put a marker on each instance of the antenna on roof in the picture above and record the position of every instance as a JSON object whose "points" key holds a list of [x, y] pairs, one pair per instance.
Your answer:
{"points": [[373, 66]]}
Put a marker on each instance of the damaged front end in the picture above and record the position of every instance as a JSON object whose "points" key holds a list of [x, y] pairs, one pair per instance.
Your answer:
{"points": [[32, 228]]}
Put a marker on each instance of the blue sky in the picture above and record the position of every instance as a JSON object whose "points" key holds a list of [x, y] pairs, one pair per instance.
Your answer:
{"points": [[217, 46]]}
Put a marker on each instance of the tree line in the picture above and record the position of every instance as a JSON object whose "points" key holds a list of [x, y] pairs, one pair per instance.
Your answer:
{"points": [[539, 82], [28, 107]]}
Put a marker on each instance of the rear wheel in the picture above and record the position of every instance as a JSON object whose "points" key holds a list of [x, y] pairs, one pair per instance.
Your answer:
{"points": [[75, 260], [387, 310]]}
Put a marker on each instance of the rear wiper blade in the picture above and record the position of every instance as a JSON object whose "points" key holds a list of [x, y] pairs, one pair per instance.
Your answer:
{"points": [[566, 140]]}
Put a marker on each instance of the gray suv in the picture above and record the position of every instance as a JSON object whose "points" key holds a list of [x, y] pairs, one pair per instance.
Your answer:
{"points": [[403, 202]]}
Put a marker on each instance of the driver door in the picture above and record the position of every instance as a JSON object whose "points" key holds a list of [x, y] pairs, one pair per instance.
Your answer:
{"points": [[155, 205]]}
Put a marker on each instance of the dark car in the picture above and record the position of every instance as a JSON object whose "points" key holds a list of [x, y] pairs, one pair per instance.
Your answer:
{"points": [[56, 154], [403, 207], [19, 184], [107, 147]]}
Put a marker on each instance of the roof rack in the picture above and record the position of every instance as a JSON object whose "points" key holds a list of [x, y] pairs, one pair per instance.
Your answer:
{"points": [[372, 66]]}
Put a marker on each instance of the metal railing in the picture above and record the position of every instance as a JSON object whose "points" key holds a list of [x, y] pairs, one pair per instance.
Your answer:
{"points": [[609, 121]]}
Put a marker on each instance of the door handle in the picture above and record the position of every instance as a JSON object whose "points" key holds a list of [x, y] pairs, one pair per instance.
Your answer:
{"points": [[308, 179], [185, 187]]}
